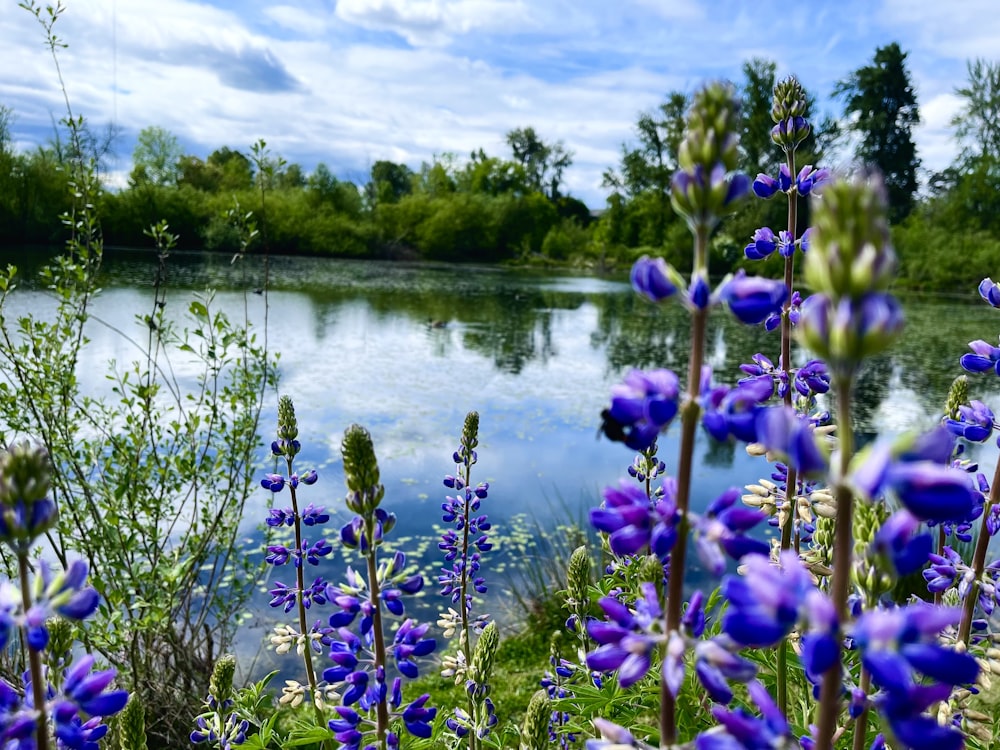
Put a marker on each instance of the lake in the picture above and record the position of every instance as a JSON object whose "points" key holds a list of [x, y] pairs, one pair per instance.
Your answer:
{"points": [[407, 350]]}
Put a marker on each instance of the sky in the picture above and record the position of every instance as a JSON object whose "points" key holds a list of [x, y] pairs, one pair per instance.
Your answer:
{"points": [[351, 82]]}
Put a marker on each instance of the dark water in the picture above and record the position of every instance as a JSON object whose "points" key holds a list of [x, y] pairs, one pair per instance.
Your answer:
{"points": [[407, 350]]}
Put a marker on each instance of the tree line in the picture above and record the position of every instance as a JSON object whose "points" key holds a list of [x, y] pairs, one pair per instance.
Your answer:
{"points": [[490, 208]]}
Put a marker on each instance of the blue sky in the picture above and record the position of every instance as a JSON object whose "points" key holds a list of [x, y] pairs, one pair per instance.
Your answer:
{"points": [[349, 82]]}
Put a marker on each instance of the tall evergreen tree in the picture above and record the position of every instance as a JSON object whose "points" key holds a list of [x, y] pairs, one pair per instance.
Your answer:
{"points": [[881, 106]]}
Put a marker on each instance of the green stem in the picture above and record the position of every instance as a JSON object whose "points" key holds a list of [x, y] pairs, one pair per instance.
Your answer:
{"points": [[829, 708], [861, 725], [979, 561], [34, 660], [791, 483], [689, 425], [382, 711], [466, 645], [300, 600]]}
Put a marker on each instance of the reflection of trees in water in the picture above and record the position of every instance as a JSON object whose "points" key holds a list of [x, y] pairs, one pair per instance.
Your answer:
{"points": [[507, 317], [636, 333], [871, 387]]}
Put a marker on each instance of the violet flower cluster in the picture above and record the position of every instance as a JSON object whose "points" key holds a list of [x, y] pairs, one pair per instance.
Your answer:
{"points": [[43, 708], [463, 547], [358, 640], [861, 651]]}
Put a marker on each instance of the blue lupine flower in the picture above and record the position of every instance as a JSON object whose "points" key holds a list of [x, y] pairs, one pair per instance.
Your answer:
{"points": [[765, 186], [990, 292], [732, 411], [808, 179], [409, 642], [773, 321], [898, 543], [721, 530], [974, 423], [651, 277], [633, 524], [716, 663], [417, 717], [765, 602], [983, 358], [627, 640], [753, 298], [641, 407], [912, 469], [782, 430], [903, 710], [764, 242], [739, 729], [896, 644], [88, 691], [812, 378]]}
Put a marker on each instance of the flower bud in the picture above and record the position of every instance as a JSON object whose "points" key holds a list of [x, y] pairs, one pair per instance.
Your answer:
{"points": [[220, 686], [845, 333], [484, 657], [26, 511], [578, 578], [361, 471], [790, 100], [707, 185], [470, 437], [535, 732], [849, 251], [789, 133], [288, 428], [958, 395]]}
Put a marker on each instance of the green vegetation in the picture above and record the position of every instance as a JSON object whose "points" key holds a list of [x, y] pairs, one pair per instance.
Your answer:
{"points": [[513, 208]]}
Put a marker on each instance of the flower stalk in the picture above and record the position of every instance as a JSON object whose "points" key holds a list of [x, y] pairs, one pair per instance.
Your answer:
{"points": [[979, 562]]}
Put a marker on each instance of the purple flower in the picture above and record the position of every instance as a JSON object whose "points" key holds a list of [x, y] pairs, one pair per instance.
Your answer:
{"points": [[845, 332], [762, 244], [626, 641], [812, 378], [716, 663], [898, 542], [808, 179], [782, 430], [764, 603], [641, 407], [990, 292], [733, 411], [765, 186], [974, 423], [721, 530], [739, 729], [903, 709], [983, 358], [753, 298], [896, 644], [650, 277], [634, 524]]}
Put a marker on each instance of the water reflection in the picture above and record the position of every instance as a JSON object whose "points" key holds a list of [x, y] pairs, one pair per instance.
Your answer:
{"points": [[407, 350]]}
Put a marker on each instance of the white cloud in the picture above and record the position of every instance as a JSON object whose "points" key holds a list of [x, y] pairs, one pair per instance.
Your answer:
{"points": [[432, 22], [405, 79]]}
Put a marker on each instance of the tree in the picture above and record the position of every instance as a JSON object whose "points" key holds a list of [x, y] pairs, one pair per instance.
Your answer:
{"points": [[646, 170], [977, 125], [6, 137], [235, 170], [156, 158], [389, 182], [543, 163], [881, 104]]}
